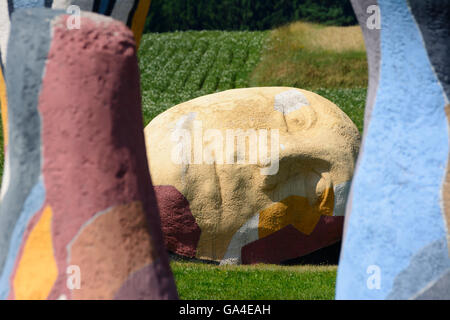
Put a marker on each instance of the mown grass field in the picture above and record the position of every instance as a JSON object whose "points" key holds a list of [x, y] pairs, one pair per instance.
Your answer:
{"points": [[196, 281]]}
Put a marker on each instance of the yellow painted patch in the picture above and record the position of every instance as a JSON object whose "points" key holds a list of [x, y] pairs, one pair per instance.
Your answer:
{"points": [[297, 211], [37, 270], [139, 20], [4, 108]]}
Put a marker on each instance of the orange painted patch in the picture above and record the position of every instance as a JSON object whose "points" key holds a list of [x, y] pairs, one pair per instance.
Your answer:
{"points": [[37, 270], [110, 248], [297, 211], [139, 20]]}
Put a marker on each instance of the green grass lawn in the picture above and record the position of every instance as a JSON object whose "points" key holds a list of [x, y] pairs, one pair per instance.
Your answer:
{"points": [[197, 281], [350, 100]]}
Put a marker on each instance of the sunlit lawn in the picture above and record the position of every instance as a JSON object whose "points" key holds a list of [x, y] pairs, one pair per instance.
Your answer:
{"points": [[196, 281]]}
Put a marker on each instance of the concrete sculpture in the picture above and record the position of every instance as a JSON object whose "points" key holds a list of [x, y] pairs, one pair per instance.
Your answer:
{"points": [[78, 216], [131, 12], [279, 196], [396, 236]]}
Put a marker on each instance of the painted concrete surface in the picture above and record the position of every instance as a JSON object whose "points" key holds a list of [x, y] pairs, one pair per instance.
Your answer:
{"points": [[372, 43], [131, 12], [87, 200], [28, 54], [397, 218]]}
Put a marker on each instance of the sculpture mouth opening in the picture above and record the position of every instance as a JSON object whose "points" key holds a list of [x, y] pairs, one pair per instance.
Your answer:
{"points": [[299, 174]]}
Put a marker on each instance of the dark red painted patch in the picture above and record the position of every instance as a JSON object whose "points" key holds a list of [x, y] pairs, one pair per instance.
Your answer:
{"points": [[181, 231], [289, 243]]}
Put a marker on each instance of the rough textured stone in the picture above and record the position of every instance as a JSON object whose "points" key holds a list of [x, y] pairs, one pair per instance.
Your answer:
{"points": [[86, 200], [437, 290], [373, 51], [235, 194], [395, 223], [21, 175], [131, 12], [181, 232], [372, 41], [433, 20], [424, 267]]}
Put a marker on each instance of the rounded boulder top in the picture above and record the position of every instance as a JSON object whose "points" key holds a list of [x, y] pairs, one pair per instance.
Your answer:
{"points": [[252, 165]]}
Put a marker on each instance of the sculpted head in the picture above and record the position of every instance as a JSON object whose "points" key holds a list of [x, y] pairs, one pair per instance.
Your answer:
{"points": [[251, 162]]}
